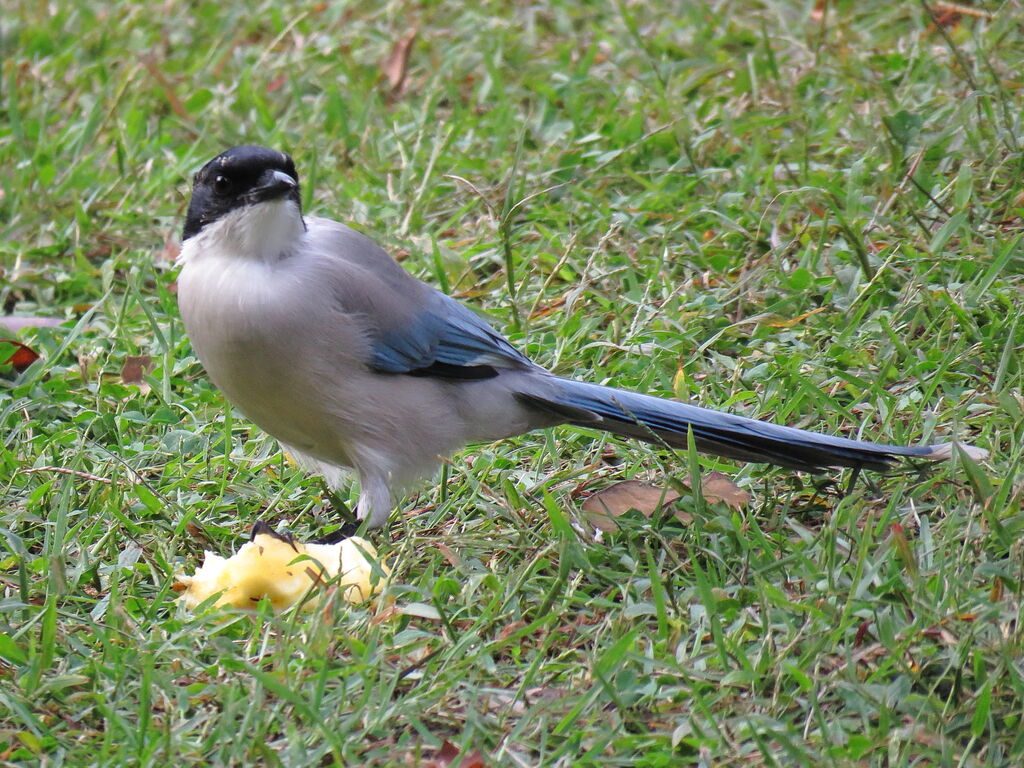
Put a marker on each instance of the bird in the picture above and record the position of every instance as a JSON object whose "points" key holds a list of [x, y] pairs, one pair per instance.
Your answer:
{"points": [[318, 336]]}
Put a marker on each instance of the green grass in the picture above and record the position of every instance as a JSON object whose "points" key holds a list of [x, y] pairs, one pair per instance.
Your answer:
{"points": [[659, 199]]}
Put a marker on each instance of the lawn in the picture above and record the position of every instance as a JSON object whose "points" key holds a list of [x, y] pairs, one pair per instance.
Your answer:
{"points": [[809, 213]]}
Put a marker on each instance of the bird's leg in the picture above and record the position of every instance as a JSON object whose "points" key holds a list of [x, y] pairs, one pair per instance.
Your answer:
{"points": [[375, 499]]}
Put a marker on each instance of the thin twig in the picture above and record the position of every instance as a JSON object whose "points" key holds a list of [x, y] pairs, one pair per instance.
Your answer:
{"points": [[66, 471]]}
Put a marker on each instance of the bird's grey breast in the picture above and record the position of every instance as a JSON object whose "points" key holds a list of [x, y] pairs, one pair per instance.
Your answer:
{"points": [[264, 331]]}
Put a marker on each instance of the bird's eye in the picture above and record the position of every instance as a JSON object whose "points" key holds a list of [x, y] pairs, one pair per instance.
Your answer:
{"points": [[221, 184]]}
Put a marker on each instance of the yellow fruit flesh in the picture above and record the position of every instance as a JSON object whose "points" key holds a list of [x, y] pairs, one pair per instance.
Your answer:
{"points": [[282, 572]]}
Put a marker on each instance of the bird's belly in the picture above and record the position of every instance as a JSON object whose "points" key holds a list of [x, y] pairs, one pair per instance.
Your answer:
{"points": [[260, 348], [282, 404]]}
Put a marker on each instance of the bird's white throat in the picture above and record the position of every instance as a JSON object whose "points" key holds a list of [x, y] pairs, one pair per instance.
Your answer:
{"points": [[261, 232]]}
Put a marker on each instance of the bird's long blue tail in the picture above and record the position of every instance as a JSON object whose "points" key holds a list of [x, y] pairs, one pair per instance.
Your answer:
{"points": [[657, 420]]}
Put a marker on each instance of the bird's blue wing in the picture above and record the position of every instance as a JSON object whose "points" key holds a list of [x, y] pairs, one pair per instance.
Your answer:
{"points": [[445, 339]]}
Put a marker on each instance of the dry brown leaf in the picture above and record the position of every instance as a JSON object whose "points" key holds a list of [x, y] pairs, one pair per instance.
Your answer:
{"points": [[386, 613], [715, 486], [449, 554], [449, 753], [862, 632], [396, 65], [546, 309], [134, 371], [950, 15], [510, 629], [603, 507], [22, 357]]}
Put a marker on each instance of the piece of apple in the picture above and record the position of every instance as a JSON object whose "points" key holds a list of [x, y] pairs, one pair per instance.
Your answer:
{"points": [[283, 570]]}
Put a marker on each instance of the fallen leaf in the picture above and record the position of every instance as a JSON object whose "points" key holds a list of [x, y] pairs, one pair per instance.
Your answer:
{"points": [[386, 613], [862, 632], [944, 17], [601, 508], [510, 629], [453, 560], [715, 486], [395, 66], [23, 356], [134, 371], [546, 309], [449, 753]]}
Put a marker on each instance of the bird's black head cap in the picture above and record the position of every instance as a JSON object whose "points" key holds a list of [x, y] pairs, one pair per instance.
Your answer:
{"points": [[237, 177]]}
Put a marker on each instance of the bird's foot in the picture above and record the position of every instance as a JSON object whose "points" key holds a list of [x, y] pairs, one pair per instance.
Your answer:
{"points": [[263, 527], [348, 525]]}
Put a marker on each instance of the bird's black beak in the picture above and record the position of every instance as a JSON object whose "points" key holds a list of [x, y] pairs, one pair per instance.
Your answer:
{"points": [[273, 185]]}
